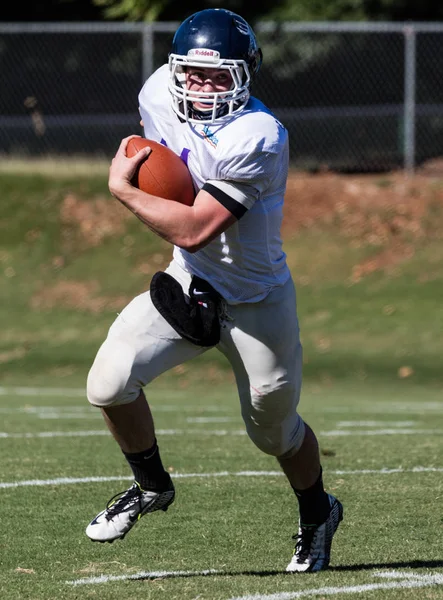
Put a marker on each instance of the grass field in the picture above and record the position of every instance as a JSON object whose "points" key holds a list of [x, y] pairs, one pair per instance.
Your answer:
{"points": [[372, 392]]}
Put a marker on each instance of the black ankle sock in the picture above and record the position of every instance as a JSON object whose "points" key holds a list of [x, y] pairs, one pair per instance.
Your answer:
{"points": [[148, 469], [313, 503]]}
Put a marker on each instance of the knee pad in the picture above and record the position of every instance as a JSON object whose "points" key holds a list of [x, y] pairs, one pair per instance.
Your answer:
{"points": [[282, 440], [296, 440], [109, 379], [271, 417]]}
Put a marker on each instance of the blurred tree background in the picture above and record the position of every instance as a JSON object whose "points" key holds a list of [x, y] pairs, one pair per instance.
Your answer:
{"points": [[171, 10]]}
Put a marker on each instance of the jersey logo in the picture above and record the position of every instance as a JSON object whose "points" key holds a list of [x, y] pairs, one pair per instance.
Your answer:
{"points": [[210, 136], [184, 153]]}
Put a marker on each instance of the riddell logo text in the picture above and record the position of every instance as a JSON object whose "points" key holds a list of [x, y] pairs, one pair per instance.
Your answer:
{"points": [[204, 52]]}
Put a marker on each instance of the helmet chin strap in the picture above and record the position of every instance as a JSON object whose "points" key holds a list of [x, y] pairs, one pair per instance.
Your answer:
{"points": [[201, 115]]}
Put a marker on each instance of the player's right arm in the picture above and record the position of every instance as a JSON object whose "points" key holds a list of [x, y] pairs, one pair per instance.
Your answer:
{"points": [[188, 227]]}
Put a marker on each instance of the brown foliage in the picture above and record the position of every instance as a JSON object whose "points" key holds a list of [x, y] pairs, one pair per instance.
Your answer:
{"points": [[392, 213]]}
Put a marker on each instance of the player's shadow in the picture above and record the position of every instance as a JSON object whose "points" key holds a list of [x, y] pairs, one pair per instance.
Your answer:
{"points": [[411, 564], [414, 564]]}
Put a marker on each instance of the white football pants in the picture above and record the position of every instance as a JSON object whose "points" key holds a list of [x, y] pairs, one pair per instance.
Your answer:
{"points": [[260, 340]]}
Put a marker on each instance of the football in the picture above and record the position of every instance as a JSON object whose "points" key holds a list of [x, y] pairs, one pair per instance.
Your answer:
{"points": [[163, 173]]}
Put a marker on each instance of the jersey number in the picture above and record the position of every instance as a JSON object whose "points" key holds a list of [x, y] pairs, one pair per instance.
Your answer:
{"points": [[184, 153]]}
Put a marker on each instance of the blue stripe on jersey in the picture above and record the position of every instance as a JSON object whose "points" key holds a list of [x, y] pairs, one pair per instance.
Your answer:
{"points": [[234, 207]]}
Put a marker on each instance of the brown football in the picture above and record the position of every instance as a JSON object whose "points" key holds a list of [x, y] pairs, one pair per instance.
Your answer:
{"points": [[163, 173]]}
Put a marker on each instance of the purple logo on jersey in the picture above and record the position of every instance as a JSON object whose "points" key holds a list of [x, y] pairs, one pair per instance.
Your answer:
{"points": [[184, 155]]}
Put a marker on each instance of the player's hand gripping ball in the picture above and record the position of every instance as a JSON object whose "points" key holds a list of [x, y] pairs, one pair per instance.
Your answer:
{"points": [[163, 173]]}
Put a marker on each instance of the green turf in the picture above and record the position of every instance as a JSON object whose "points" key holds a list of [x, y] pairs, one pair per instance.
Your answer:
{"points": [[238, 525], [372, 392]]}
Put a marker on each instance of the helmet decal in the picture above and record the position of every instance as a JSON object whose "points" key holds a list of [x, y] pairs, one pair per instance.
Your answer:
{"points": [[242, 26]]}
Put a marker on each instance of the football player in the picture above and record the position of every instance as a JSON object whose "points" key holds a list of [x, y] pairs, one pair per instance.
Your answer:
{"points": [[227, 286]]}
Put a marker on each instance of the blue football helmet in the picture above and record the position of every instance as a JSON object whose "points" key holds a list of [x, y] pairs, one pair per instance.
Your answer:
{"points": [[214, 38]]}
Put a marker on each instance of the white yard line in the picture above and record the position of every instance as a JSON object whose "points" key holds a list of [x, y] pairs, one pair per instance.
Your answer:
{"points": [[405, 580], [55, 416], [400, 580], [101, 432], [38, 391], [31, 410], [89, 410], [386, 407], [54, 434], [221, 432], [359, 432], [76, 480], [341, 424], [210, 419]]}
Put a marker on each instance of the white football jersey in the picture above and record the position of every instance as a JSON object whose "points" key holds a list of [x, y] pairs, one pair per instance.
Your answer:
{"points": [[243, 162]]}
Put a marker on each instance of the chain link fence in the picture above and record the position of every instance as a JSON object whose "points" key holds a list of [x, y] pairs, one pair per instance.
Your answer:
{"points": [[355, 97]]}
